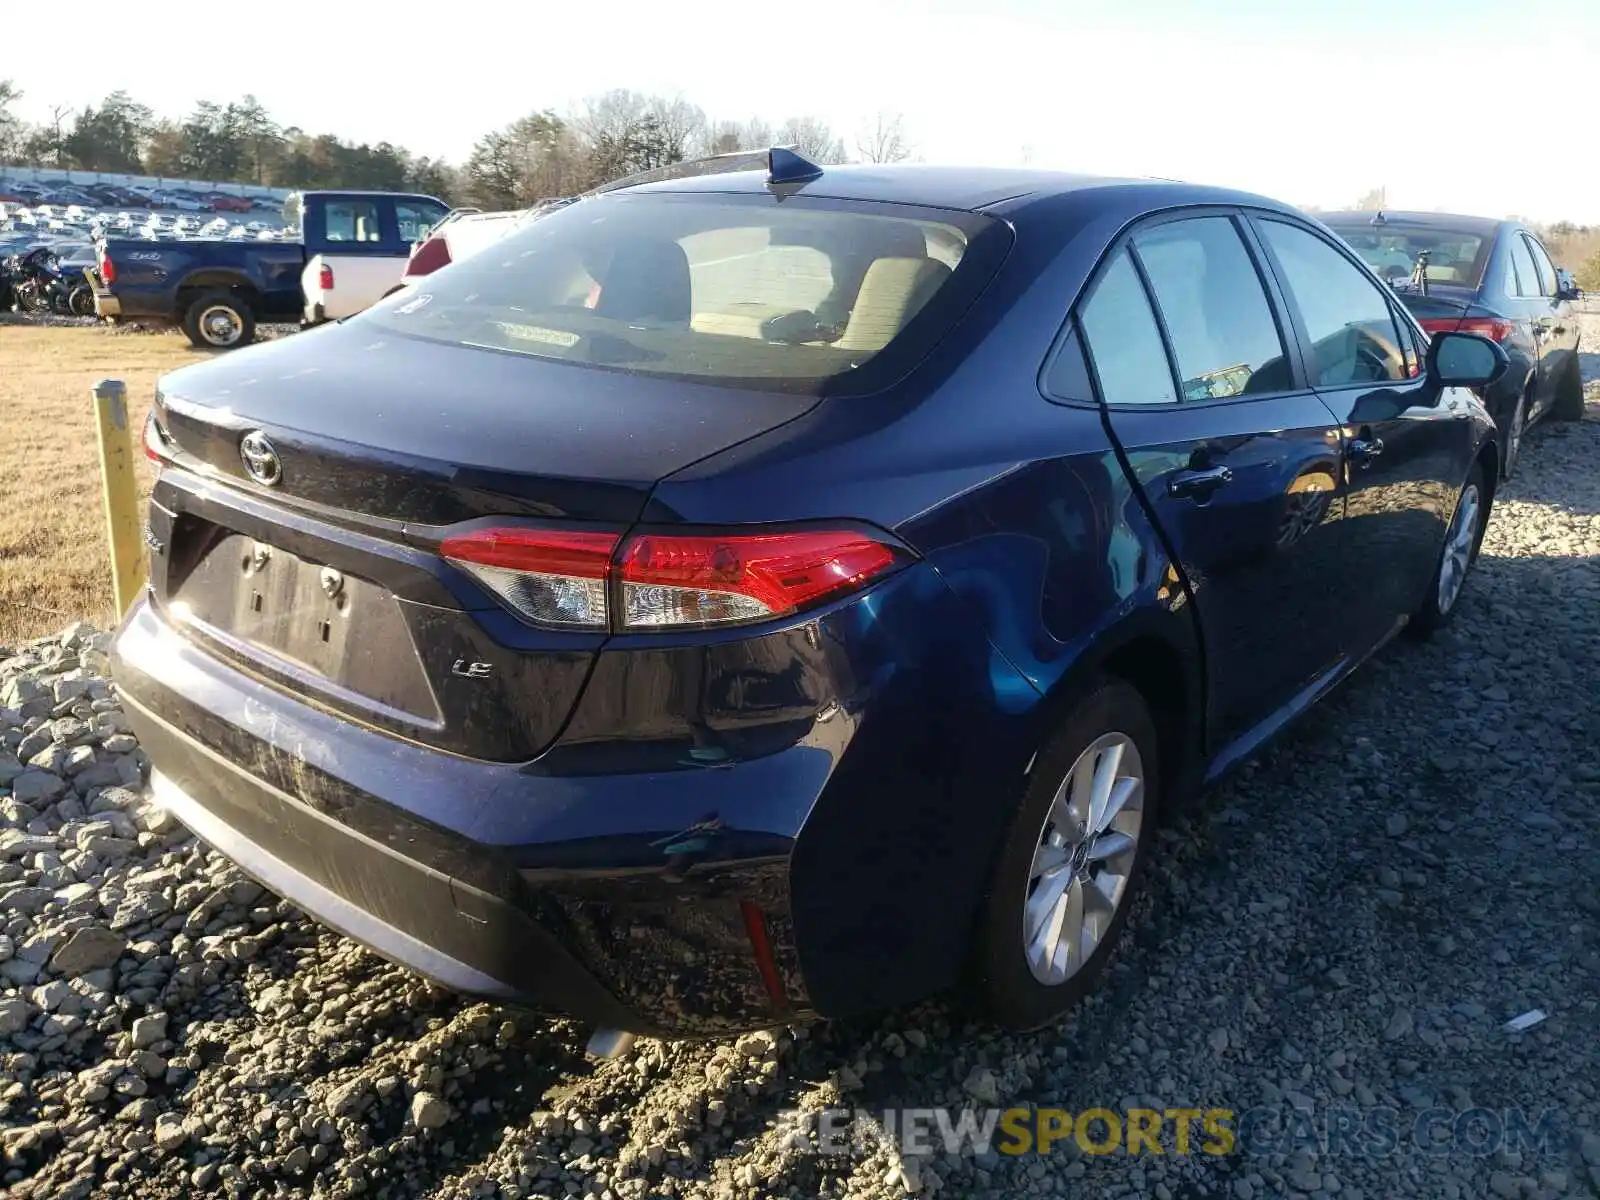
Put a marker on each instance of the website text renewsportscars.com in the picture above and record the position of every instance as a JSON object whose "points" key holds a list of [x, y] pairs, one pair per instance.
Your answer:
{"points": [[1360, 1131]]}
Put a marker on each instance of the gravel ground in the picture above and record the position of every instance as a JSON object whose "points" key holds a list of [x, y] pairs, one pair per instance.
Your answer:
{"points": [[1348, 923]]}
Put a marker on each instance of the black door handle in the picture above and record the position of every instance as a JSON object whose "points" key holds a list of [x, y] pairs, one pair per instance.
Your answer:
{"points": [[1198, 485], [1363, 450]]}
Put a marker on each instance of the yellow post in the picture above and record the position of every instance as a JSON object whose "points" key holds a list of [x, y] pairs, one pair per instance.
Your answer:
{"points": [[121, 492]]}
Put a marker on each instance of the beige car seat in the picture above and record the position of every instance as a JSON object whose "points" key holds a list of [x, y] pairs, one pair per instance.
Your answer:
{"points": [[892, 291]]}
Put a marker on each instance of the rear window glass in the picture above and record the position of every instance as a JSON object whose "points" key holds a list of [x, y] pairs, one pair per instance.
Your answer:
{"points": [[736, 289], [1454, 256]]}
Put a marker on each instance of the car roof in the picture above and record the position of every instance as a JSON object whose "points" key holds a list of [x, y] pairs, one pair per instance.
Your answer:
{"points": [[1435, 220], [972, 188]]}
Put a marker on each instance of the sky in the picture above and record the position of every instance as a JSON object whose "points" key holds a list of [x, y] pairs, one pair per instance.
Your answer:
{"points": [[1467, 105]]}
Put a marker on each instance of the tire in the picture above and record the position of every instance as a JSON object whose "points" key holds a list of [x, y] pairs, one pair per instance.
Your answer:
{"points": [[1568, 404], [219, 320], [1460, 546], [81, 302], [1511, 437], [1005, 985]]}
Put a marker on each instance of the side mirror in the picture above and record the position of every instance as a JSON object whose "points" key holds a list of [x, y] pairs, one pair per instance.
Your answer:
{"points": [[1566, 286], [1465, 360]]}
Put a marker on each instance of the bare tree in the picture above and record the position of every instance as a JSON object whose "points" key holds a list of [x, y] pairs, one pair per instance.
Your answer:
{"points": [[611, 114], [813, 139], [884, 140], [48, 141], [681, 124], [727, 137], [1374, 200], [12, 131]]}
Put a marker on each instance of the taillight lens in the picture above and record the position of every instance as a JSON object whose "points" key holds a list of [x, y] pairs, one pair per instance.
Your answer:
{"points": [[108, 269], [569, 579], [548, 577], [325, 278], [429, 257], [156, 448], [1496, 329], [719, 579]]}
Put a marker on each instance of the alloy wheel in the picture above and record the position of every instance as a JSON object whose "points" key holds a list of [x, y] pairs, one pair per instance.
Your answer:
{"points": [[1085, 856], [1458, 546]]}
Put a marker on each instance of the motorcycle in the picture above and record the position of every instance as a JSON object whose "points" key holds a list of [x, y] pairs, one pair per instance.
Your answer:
{"points": [[38, 285]]}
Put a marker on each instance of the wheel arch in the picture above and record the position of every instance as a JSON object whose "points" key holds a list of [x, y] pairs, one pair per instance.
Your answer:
{"points": [[1157, 651], [213, 279]]}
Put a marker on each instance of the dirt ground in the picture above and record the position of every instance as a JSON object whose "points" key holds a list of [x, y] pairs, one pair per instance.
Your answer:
{"points": [[53, 558]]}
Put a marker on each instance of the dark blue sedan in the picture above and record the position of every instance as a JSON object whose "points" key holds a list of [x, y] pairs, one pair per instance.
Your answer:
{"points": [[765, 595], [1490, 277]]}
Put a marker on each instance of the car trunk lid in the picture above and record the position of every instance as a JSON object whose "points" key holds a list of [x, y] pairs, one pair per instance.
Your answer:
{"points": [[322, 575]]}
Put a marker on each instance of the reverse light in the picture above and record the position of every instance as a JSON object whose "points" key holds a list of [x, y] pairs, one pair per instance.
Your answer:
{"points": [[553, 578], [429, 256], [1496, 329], [566, 579], [325, 278]]}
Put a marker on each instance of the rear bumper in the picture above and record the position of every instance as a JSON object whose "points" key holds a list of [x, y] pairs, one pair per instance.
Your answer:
{"points": [[106, 305], [326, 904], [531, 891], [821, 848]]}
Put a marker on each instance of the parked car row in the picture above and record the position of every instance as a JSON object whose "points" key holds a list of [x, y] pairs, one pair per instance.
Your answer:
{"points": [[732, 600], [184, 197]]}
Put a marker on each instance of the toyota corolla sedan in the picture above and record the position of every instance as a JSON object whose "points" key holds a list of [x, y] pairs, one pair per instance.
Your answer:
{"points": [[789, 593], [1477, 275]]}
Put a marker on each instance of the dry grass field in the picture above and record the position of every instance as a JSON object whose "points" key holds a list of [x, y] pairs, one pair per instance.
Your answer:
{"points": [[53, 562]]}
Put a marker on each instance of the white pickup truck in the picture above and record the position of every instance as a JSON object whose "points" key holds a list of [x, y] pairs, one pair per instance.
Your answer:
{"points": [[463, 233], [360, 243]]}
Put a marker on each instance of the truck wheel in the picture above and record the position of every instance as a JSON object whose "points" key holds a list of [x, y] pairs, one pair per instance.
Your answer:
{"points": [[219, 320]]}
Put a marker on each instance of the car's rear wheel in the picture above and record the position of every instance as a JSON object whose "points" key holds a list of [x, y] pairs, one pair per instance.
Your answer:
{"points": [[1462, 539], [1071, 862], [219, 320], [1568, 404]]}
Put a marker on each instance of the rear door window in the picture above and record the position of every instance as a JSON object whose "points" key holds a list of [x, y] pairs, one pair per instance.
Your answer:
{"points": [[1124, 341], [1543, 265], [726, 288], [1222, 329], [1350, 329], [1525, 277]]}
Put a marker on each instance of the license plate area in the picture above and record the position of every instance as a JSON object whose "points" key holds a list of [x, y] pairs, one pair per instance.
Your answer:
{"points": [[308, 620]]}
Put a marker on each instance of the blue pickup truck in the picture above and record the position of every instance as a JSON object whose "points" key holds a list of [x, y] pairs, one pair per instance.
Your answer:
{"points": [[351, 251]]}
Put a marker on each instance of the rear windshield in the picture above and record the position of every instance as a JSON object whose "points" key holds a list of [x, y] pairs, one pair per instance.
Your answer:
{"points": [[792, 295], [1454, 256]]}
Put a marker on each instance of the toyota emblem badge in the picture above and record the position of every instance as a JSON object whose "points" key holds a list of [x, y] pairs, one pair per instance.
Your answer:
{"points": [[260, 459]]}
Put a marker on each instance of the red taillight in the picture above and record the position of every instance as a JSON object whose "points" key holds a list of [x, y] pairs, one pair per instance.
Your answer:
{"points": [[715, 579], [564, 579], [325, 278], [108, 269], [429, 257], [155, 442], [1496, 329]]}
